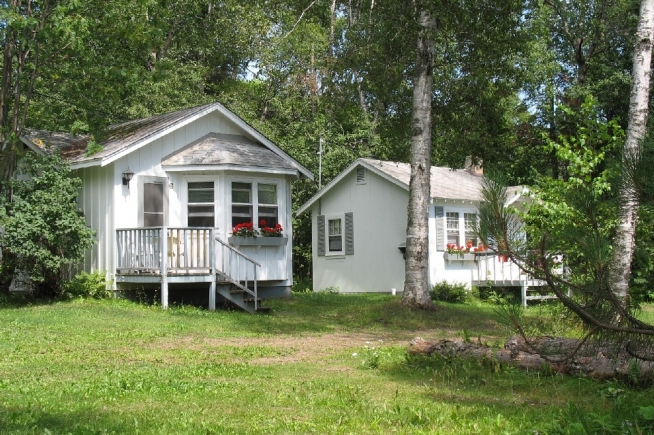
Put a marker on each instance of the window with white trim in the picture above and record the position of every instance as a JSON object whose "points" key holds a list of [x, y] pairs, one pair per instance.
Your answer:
{"points": [[335, 235], [452, 228], [201, 204], [267, 205], [470, 227], [241, 203], [255, 202]]}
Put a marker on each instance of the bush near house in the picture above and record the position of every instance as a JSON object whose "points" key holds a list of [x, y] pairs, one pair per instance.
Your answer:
{"points": [[446, 292], [43, 230]]}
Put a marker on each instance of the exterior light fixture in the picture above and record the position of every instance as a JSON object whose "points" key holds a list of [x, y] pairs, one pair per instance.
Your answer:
{"points": [[127, 176]]}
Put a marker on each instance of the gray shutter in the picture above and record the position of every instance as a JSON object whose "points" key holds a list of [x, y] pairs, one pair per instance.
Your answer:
{"points": [[440, 228], [349, 233], [321, 235]]}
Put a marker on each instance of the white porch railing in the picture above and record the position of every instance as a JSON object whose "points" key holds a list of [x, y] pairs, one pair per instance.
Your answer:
{"points": [[238, 269], [185, 250], [497, 270]]}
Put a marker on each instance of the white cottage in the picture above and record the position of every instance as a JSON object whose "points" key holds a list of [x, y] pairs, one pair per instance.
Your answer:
{"points": [[164, 193], [359, 225]]}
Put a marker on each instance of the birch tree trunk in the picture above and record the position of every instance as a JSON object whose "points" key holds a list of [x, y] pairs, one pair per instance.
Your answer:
{"points": [[416, 281], [638, 111]]}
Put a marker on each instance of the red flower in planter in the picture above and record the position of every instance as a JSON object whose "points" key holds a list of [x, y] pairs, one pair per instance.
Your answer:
{"points": [[267, 231]]}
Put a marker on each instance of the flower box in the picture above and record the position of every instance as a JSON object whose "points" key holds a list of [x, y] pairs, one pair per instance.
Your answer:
{"points": [[459, 257], [257, 241]]}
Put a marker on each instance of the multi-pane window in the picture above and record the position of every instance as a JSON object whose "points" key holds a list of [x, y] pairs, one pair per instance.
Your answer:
{"points": [[335, 235], [267, 204], [243, 204], [201, 210], [470, 226], [452, 226]]}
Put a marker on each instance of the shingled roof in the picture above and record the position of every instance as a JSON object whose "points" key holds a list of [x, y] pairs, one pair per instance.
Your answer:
{"points": [[446, 183], [125, 137], [224, 150]]}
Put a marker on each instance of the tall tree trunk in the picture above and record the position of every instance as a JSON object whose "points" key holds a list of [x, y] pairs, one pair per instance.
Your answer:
{"points": [[416, 281], [638, 111]]}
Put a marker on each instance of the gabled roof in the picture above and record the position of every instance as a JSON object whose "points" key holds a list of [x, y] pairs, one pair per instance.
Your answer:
{"points": [[446, 183], [126, 137]]}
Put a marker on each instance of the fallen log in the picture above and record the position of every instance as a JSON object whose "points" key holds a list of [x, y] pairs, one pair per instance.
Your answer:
{"points": [[549, 354]]}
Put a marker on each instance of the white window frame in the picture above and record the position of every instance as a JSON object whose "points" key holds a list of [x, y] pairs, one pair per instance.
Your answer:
{"points": [[200, 179], [449, 231], [281, 214], [331, 217], [462, 224]]}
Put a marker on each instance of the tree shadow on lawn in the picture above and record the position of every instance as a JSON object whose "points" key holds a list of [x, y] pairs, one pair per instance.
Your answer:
{"points": [[321, 312]]}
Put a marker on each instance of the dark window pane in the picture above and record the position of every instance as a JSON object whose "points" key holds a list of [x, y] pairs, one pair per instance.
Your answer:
{"points": [[242, 210], [241, 196], [201, 185], [200, 195], [240, 220], [335, 243], [153, 197], [200, 210], [245, 186], [153, 219], [201, 221], [267, 194]]}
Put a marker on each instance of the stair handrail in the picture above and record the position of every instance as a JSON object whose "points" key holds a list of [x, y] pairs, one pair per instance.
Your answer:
{"points": [[254, 268]]}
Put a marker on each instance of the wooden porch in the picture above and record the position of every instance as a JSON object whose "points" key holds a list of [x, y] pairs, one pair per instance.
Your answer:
{"points": [[167, 255], [497, 271]]}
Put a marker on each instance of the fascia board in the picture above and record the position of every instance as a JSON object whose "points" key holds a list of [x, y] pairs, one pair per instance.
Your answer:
{"points": [[197, 168]]}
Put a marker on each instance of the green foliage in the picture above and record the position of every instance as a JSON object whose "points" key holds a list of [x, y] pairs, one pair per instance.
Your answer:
{"points": [[87, 285], [453, 293], [43, 230]]}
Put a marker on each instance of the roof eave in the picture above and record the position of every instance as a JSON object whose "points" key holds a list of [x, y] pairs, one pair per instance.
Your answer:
{"points": [[31, 145], [228, 167]]}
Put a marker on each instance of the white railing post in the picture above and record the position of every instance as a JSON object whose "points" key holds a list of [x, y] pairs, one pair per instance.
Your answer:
{"points": [[212, 270], [164, 267]]}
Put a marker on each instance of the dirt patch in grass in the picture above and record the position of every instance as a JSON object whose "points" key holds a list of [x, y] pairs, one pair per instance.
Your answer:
{"points": [[312, 348]]}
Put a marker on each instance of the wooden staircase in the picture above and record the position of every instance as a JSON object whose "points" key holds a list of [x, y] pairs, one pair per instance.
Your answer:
{"points": [[234, 281], [239, 294]]}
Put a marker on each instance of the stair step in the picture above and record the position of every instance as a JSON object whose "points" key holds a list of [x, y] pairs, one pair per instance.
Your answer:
{"points": [[263, 309], [251, 300], [236, 291]]}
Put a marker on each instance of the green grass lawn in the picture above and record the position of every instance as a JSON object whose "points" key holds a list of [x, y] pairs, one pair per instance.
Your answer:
{"points": [[319, 363]]}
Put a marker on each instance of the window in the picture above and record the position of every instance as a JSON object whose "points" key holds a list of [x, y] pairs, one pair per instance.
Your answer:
{"points": [[153, 205], [243, 201], [335, 235], [267, 204], [452, 225], [201, 211], [470, 226]]}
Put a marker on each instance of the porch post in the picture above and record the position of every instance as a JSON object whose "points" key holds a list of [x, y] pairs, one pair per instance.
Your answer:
{"points": [[523, 292], [212, 268], [163, 266]]}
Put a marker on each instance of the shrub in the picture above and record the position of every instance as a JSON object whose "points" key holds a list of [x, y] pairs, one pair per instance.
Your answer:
{"points": [[43, 230], [87, 285], [446, 292]]}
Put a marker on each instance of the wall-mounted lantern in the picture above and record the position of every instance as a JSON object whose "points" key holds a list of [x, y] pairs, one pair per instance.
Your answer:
{"points": [[127, 176]]}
